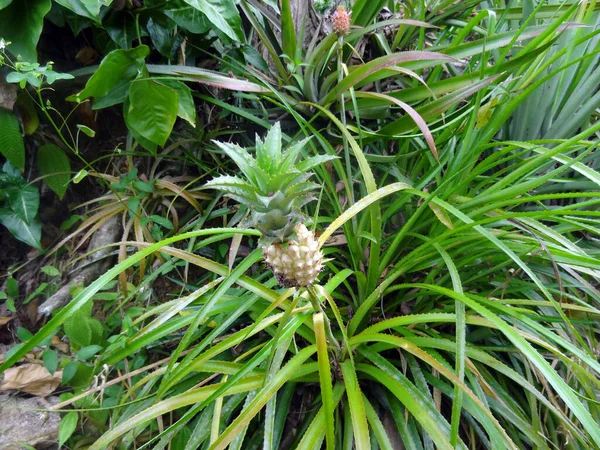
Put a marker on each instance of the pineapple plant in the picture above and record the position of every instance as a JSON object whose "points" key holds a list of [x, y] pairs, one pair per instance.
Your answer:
{"points": [[275, 186]]}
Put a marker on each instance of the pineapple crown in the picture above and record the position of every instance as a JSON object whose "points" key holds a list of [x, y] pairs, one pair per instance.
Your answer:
{"points": [[341, 21], [274, 185]]}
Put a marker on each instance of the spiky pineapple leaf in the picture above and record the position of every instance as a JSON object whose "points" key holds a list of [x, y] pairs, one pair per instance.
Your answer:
{"points": [[306, 187], [314, 161], [243, 191], [262, 180], [272, 146], [283, 181], [291, 154], [263, 161], [241, 158]]}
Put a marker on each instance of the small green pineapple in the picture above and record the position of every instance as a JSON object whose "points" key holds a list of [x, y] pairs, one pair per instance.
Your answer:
{"points": [[275, 187]]}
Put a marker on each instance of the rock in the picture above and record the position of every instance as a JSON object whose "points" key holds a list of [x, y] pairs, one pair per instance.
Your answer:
{"points": [[8, 95], [24, 422]]}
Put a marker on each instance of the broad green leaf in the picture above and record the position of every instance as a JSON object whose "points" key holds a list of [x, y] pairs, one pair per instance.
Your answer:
{"points": [[11, 144], [5, 3], [50, 359], [187, 17], [24, 202], [78, 329], [86, 8], [67, 426], [87, 352], [55, 167], [12, 287], [222, 14], [69, 372], [30, 234], [52, 76], [113, 76], [163, 33], [24, 334], [152, 110], [21, 23], [187, 109]]}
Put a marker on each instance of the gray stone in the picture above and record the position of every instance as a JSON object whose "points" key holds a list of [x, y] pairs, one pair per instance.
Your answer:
{"points": [[27, 421]]}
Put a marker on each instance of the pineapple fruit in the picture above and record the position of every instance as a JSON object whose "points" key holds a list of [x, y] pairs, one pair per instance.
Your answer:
{"points": [[275, 187]]}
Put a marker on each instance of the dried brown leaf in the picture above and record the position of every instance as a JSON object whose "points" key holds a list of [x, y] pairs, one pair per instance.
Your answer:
{"points": [[31, 378], [60, 345]]}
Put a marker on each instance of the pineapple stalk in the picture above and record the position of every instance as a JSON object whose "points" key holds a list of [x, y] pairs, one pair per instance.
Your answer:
{"points": [[275, 186]]}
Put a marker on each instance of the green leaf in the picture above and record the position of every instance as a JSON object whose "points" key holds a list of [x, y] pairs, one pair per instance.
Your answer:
{"points": [[11, 144], [87, 352], [81, 299], [325, 379], [69, 372], [360, 428], [186, 17], [366, 235], [50, 358], [21, 23], [12, 287], [51, 271], [164, 35], [36, 293], [148, 187], [162, 221], [24, 202], [365, 10], [30, 234], [55, 167], [80, 176], [15, 348], [67, 426], [5, 3], [375, 65], [24, 335], [86, 130], [288, 35], [222, 14], [208, 77], [122, 30], [152, 110], [113, 76], [78, 329], [86, 8], [52, 76], [187, 109]]}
